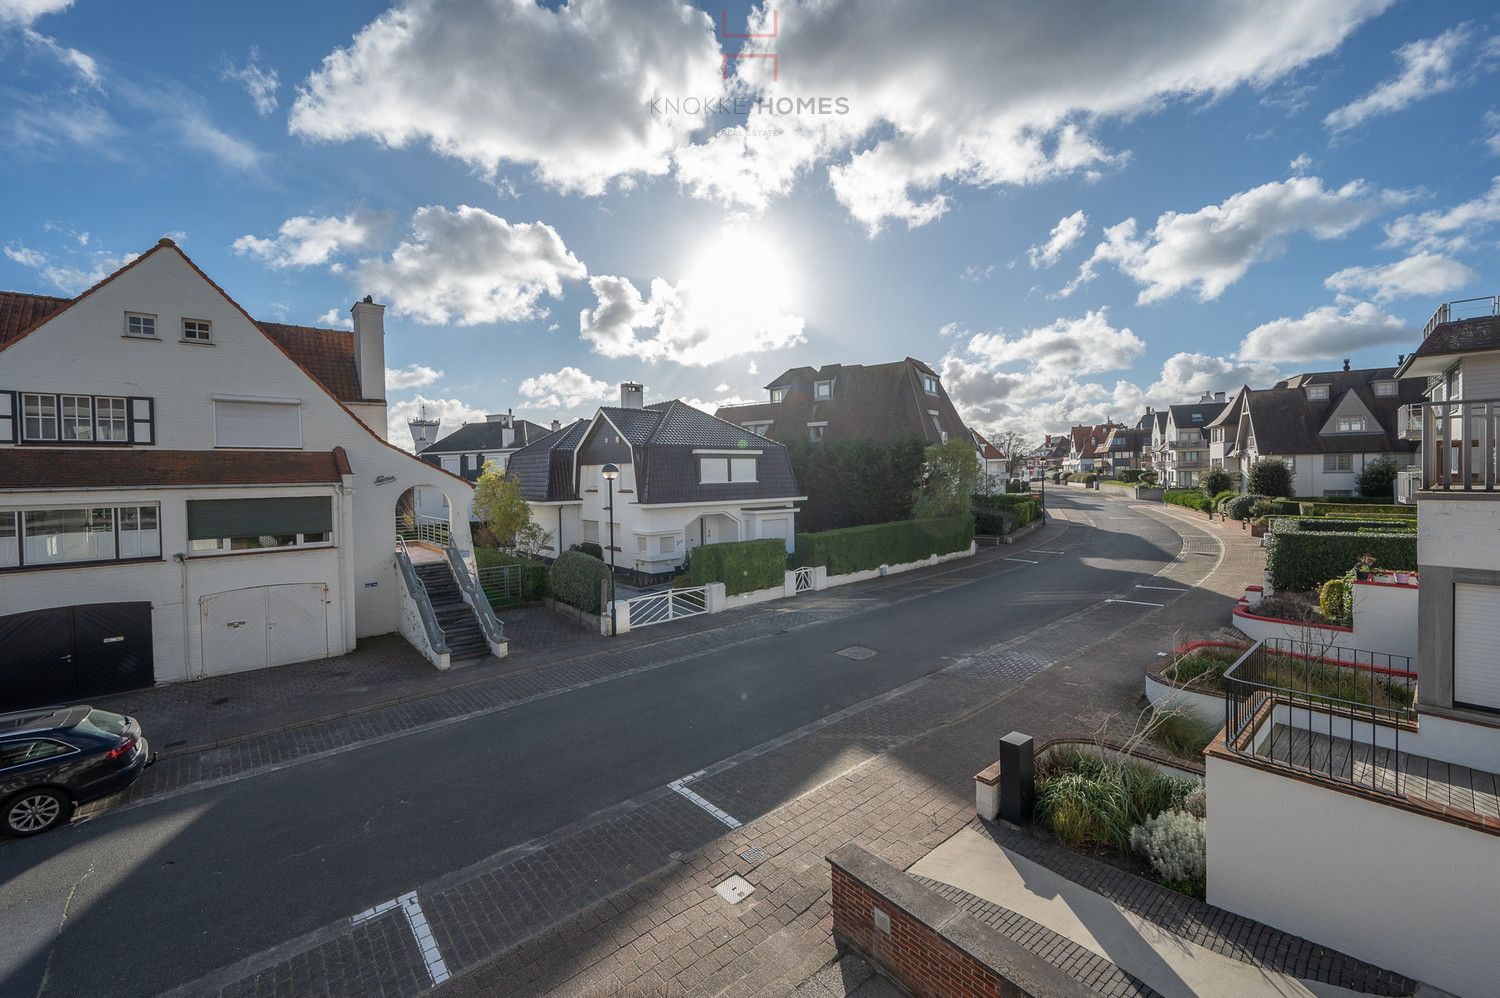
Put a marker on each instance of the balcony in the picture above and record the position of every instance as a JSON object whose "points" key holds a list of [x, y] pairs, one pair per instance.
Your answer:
{"points": [[1459, 446], [1464, 308]]}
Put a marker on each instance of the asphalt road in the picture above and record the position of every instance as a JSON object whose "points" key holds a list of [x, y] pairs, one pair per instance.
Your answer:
{"points": [[139, 901]]}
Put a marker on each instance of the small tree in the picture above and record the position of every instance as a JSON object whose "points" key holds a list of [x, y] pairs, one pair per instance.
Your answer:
{"points": [[532, 540], [1377, 478], [498, 502], [949, 479], [1213, 481], [1269, 476]]}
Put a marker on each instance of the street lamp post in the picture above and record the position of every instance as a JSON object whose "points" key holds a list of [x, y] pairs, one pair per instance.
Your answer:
{"points": [[611, 472]]}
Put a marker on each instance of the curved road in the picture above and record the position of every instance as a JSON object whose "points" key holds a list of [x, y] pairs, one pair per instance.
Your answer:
{"points": [[142, 900]]}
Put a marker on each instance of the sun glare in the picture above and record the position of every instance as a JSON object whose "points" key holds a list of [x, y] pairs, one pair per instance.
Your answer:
{"points": [[741, 269]]}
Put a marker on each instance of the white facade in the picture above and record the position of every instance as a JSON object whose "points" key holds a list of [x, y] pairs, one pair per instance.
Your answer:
{"points": [[84, 350]]}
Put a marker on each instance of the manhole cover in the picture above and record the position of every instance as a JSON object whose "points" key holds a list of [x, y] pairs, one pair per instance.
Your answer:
{"points": [[754, 855], [856, 652], [735, 889]]}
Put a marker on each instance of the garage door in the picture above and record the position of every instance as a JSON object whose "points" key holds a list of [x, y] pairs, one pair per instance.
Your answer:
{"points": [[1476, 645], [247, 629], [74, 652]]}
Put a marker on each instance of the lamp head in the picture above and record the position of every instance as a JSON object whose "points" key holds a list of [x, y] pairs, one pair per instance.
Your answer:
{"points": [[610, 472]]}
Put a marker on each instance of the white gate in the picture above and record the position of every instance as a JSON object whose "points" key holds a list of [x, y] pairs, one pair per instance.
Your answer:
{"points": [[670, 604], [804, 579], [247, 629]]}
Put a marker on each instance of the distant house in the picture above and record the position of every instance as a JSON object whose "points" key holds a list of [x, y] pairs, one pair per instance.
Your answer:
{"points": [[686, 478], [840, 401], [1088, 450], [1154, 423], [1182, 445], [1124, 449], [1326, 426], [992, 460], [469, 448]]}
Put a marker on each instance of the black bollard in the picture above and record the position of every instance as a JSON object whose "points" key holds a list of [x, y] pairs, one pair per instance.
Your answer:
{"points": [[1017, 778]]}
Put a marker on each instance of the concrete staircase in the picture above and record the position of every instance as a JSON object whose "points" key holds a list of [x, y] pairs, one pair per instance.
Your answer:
{"points": [[461, 630]]}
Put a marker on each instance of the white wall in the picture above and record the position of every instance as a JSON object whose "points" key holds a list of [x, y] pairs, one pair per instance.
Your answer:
{"points": [[1459, 533], [1385, 623], [1402, 891]]}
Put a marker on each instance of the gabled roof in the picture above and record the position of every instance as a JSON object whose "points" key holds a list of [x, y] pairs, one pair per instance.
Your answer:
{"points": [[545, 466], [487, 435], [1475, 335], [98, 468], [989, 450], [20, 311], [1286, 421], [1207, 412], [326, 354]]}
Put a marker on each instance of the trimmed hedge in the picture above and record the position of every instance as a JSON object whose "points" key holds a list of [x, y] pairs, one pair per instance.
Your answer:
{"points": [[860, 549], [743, 566], [1299, 558], [995, 515], [575, 580], [1340, 508], [1239, 507], [1086, 477], [1191, 498], [1326, 525], [590, 548]]}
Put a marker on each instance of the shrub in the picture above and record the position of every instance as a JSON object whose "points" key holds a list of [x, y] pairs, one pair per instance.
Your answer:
{"points": [[1263, 509], [1016, 485], [1239, 507], [1192, 499], [575, 580], [1300, 558], [743, 566], [1175, 843], [1000, 514], [1090, 800], [1183, 734], [1219, 499], [589, 548], [1204, 667], [1337, 507], [1377, 479], [1213, 481], [860, 549], [1335, 599], [1130, 475], [534, 574], [1086, 477], [1269, 476]]}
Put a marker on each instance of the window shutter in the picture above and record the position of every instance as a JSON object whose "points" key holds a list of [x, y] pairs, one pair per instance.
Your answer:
{"points": [[142, 421], [257, 424], [7, 417], [211, 518]]}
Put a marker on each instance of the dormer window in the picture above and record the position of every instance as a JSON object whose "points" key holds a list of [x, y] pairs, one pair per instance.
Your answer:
{"points": [[822, 389], [929, 384], [141, 325], [1351, 424], [778, 394], [1197, 417], [1386, 388], [1317, 393]]}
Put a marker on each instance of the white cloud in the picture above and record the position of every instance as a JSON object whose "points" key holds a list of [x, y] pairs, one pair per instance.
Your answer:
{"points": [[452, 413], [467, 266], [1323, 333], [1301, 164], [183, 114], [1449, 229], [80, 62], [563, 89], [983, 93], [304, 241], [24, 256], [73, 267], [336, 318], [410, 376], [1085, 345], [975, 272], [565, 388], [1427, 68], [25, 12], [684, 322], [1063, 237], [1211, 248], [1492, 125], [260, 82], [1419, 274]]}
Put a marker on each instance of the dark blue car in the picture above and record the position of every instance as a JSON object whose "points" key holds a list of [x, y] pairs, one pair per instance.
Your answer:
{"points": [[53, 759]]}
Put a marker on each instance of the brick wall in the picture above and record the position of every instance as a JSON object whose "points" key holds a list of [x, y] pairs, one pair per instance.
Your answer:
{"points": [[929, 946]]}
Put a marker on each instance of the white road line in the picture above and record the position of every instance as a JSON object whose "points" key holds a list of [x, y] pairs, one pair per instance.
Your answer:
{"points": [[680, 787], [437, 969], [1024, 561], [1043, 551], [1134, 602], [1165, 589]]}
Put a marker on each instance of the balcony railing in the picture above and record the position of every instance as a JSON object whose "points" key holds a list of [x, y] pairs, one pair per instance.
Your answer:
{"points": [[1464, 308], [1459, 444]]}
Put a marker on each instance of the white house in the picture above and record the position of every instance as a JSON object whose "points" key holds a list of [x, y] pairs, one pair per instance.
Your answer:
{"points": [[467, 450], [185, 491], [1181, 442], [685, 478]]}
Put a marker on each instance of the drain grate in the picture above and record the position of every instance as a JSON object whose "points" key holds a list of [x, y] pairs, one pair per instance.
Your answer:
{"points": [[754, 854], [856, 652]]}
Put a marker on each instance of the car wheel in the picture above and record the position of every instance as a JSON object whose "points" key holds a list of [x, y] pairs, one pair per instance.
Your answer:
{"points": [[32, 812]]}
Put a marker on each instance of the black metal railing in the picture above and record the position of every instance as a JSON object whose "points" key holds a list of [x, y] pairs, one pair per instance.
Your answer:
{"points": [[1321, 709], [1464, 308]]}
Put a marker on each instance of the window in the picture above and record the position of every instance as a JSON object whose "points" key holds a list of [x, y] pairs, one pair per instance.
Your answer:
{"points": [[78, 419], [1338, 462], [1351, 424], [761, 428], [640, 544], [1318, 393], [257, 424], [110, 421], [929, 384], [822, 389], [39, 417], [591, 531], [196, 330], [142, 421], [7, 417], [138, 324], [10, 546], [1385, 388], [140, 537], [59, 536], [742, 469], [258, 524], [666, 545], [20, 753], [777, 394], [77, 422], [815, 431], [713, 470], [1197, 417]]}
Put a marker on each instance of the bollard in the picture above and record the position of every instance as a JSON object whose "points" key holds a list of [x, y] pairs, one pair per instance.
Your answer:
{"points": [[1017, 778]]}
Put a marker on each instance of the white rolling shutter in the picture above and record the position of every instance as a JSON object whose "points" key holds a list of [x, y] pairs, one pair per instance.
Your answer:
{"points": [[1476, 645], [257, 424]]}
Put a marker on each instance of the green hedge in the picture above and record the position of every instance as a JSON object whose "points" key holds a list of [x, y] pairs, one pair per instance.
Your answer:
{"points": [[1299, 558], [743, 566], [995, 515], [1191, 498], [1086, 477], [1117, 483], [860, 549], [1239, 507], [575, 580], [1337, 507], [1352, 524]]}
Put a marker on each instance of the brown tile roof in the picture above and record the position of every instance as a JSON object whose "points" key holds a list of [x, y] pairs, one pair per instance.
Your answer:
{"points": [[73, 467], [20, 311], [326, 354]]}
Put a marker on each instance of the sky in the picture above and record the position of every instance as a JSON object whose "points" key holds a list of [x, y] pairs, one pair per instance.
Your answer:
{"points": [[1071, 211]]}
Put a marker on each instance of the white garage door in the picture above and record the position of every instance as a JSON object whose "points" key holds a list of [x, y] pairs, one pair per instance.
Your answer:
{"points": [[269, 625], [1476, 645]]}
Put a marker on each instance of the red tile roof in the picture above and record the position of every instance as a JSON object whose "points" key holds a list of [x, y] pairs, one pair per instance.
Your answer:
{"points": [[326, 354], [73, 467], [20, 311]]}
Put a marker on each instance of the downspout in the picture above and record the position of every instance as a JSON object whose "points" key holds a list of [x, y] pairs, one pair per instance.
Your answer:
{"points": [[346, 568], [187, 647]]}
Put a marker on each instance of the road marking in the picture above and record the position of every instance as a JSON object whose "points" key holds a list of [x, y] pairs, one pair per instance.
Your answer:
{"points": [[1044, 551], [1134, 602], [1165, 589], [680, 787], [1024, 561], [437, 969]]}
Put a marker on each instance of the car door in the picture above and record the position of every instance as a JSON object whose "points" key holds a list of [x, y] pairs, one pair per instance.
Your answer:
{"points": [[26, 762]]}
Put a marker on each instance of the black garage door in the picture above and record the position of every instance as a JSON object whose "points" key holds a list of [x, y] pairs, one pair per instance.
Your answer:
{"points": [[74, 652]]}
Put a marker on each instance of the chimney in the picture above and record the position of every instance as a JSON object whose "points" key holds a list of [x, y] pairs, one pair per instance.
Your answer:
{"points": [[494, 417], [1346, 363], [424, 431], [369, 348], [1400, 359], [632, 395], [1218, 396], [557, 424]]}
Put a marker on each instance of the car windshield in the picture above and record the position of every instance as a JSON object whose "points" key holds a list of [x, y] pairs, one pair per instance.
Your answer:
{"points": [[103, 723]]}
